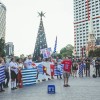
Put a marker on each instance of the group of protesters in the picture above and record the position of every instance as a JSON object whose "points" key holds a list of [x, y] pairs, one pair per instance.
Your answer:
{"points": [[68, 66], [74, 67], [15, 72]]}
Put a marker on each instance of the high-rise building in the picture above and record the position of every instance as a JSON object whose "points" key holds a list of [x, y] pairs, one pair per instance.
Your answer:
{"points": [[83, 9], [9, 48], [2, 20]]}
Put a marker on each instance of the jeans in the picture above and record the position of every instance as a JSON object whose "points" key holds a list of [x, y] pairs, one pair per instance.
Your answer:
{"points": [[97, 71]]}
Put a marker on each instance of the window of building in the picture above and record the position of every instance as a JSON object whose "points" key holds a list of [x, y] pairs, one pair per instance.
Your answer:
{"points": [[97, 7], [86, 29], [97, 11], [96, 4], [86, 26], [93, 21], [97, 24], [94, 25], [83, 39], [77, 47], [80, 43], [97, 21]]}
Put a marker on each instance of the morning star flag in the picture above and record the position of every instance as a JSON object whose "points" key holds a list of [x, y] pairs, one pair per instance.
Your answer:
{"points": [[55, 45]]}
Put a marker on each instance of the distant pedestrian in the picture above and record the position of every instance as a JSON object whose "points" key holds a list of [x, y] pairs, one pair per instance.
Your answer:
{"points": [[87, 67], [81, 67], [97, 66], [74, 69]]}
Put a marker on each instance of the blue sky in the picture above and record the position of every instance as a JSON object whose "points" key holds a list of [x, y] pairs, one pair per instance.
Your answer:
{"points": [[22, 23]]}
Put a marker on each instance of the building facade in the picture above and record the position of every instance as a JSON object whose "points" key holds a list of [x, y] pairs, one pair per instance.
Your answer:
{"points": [[9, 48], [2, 20], [83, 9]]}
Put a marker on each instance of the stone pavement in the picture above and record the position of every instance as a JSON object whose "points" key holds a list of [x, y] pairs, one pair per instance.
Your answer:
{"points": [[81, 89]]}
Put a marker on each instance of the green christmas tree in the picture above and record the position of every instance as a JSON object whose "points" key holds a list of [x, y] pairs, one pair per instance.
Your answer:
{"points": [[41, 39]]}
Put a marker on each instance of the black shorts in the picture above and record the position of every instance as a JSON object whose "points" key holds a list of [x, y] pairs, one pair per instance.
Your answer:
{"points": [[13, 75]]}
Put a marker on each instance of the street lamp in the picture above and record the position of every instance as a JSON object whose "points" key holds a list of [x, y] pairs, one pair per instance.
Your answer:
{"points": [[83, 50]]}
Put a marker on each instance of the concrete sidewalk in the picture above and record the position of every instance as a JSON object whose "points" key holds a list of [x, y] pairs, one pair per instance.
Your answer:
{"points": [[81, 89]]}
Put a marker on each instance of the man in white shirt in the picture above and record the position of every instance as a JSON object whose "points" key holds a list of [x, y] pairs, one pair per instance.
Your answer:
{"points": [[28, 62]]}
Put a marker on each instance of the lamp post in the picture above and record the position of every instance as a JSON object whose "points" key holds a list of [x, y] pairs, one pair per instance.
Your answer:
{"points": [[83, 51]]}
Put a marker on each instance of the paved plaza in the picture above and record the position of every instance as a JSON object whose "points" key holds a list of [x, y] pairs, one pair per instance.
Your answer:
{"points": [[81, 89]]}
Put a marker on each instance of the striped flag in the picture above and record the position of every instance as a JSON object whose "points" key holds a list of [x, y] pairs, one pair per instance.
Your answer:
{"points": [[55, 45]]}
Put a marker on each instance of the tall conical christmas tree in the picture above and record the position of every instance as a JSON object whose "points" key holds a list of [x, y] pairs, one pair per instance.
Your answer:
{"points": [[41, 39]]}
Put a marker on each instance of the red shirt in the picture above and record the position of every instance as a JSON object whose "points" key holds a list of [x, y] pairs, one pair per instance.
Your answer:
{"points": [[67, 65]]}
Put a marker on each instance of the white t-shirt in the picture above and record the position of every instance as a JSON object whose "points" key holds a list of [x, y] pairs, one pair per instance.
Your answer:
{"points": [[20, 65], [28, 63], [13, 64]]}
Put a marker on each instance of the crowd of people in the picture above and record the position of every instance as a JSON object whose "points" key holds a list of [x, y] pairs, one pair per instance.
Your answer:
{"points": [[15, 66], [68, 66]]}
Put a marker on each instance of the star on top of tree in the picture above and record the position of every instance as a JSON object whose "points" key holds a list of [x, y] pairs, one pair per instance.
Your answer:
{"points": [[41, 14]]}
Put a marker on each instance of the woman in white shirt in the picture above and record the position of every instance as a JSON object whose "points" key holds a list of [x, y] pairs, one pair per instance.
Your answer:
{"points": [[14, 71]]}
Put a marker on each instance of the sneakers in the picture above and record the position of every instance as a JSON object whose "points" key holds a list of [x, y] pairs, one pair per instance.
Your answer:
{"points": [[2, 90], [5, 86], [13, 88], [66, 85]]}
